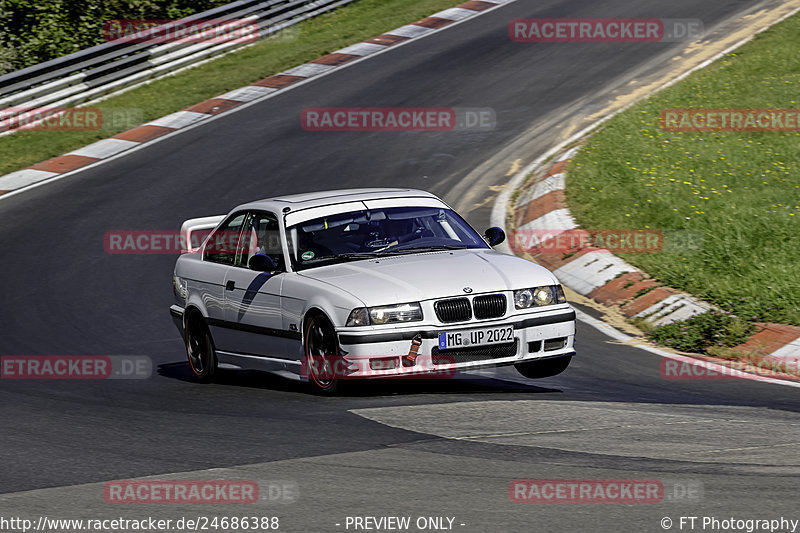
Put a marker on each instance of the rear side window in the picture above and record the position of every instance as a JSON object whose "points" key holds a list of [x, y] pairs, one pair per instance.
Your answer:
{"points": [[222, 244]]}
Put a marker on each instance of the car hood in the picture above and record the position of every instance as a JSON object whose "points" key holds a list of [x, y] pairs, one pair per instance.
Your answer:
{"points": [[417, 277]]}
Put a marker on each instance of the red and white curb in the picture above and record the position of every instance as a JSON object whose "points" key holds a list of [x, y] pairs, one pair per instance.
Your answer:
{"points": [[697, 364], [775, 340], [607, 279], [590, 272], [156, 129]]}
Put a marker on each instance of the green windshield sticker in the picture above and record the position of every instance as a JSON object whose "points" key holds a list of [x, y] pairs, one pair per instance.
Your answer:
{"points": [[307, 255]]}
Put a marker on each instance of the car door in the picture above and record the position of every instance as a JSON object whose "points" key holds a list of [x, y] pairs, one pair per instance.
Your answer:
{"points": [[219, 255], [252, 297]]}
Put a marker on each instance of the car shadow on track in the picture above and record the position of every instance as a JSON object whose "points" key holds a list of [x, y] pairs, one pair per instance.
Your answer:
{"points": [[460, 384]]}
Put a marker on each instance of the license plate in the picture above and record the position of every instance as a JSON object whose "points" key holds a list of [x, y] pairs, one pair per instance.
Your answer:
{"points": [[476, 337]]}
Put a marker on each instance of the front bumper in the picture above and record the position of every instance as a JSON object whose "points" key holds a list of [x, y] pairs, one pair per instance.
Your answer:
{"points": [[369, 352], [176, 312]]}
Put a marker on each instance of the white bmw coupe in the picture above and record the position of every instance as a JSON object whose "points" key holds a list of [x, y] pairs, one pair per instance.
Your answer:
{"points": [[366, 283]]}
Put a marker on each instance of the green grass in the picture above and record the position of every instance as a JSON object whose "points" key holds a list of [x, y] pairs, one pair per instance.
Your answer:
{"points": [[740, 190], [311, 39], [711, 330]]}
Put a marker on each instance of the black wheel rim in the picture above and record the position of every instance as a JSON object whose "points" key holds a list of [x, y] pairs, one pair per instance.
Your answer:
{"points": [[321, 346], [197, 347]]}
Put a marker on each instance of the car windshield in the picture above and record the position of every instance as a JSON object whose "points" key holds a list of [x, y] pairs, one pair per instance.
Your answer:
{"points": [[378, 232]]}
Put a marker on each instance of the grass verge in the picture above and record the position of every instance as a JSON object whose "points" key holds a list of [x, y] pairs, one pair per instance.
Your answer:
{"points": [[714, 330], [310, 39], [740, 191]]}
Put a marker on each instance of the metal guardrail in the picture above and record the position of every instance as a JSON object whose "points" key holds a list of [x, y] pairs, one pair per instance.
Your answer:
{"points": [[110, 67]]}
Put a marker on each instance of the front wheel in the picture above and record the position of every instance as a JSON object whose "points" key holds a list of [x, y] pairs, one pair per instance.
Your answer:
{"points": [[321, 351], [200, 350], [543, 369]]}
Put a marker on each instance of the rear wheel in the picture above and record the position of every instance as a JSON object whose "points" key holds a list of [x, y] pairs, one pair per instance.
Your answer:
{"points": [[543, 369], [322, 354], [200, 349]]}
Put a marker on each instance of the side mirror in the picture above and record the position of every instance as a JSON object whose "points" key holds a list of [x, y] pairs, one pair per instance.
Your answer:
{"points": [[494, 236], [262, 263]]}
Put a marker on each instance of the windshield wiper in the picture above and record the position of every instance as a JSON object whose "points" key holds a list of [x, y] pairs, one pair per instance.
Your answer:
{"points": [[430, 248], [359, 255], [347, 256]]}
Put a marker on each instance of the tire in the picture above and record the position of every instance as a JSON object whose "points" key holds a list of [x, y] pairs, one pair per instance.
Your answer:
{"points": [[543, 369], [200, 349], [321, 347]]}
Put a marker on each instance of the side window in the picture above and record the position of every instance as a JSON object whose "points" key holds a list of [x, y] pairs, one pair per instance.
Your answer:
{"points": [[261, 236], [222, 244]]}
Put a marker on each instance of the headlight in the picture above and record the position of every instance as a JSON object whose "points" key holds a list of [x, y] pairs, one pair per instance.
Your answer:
{"points": [[539, 297], [523, 299], [543, 295], [388, 314], [358, 317]]}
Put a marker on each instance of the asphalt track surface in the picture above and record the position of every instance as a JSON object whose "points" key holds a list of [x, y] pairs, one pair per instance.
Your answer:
{"points": [[62, 294]]}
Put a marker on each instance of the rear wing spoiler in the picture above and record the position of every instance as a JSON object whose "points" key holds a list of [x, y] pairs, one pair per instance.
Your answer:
{"points": [[195, 231]]}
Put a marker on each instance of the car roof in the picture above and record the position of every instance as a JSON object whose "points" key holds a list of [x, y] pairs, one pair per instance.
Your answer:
{"points": [[295, 202]]}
